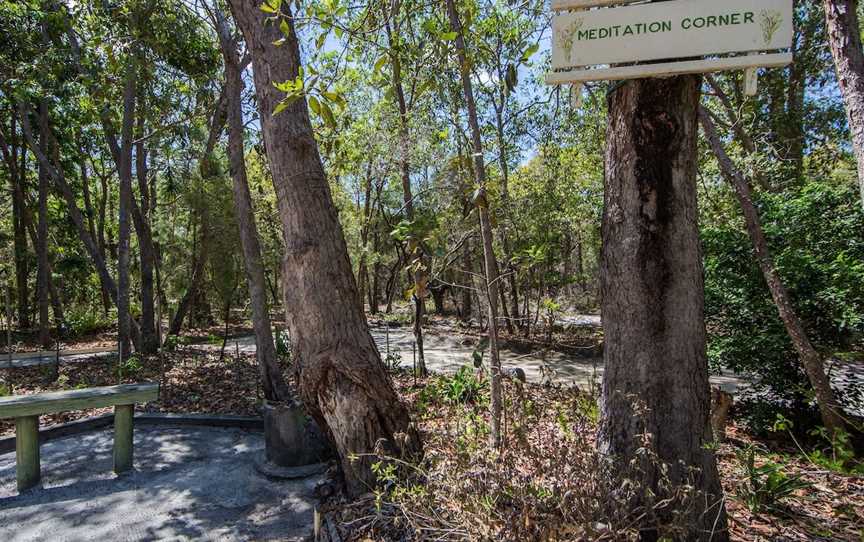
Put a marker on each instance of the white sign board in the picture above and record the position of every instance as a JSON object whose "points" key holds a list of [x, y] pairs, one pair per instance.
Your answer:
{"points": [[677, 29]]}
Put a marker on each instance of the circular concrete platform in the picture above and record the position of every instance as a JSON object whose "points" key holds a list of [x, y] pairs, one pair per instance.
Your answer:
{"points": [[190, 483]]}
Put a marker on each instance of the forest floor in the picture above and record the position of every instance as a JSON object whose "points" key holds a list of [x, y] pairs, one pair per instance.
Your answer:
{"points": [[547, 483], [541, 488]]}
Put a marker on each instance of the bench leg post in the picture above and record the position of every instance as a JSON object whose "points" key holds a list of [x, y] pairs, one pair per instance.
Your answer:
{"points": [[27, 451], [123, 438]]}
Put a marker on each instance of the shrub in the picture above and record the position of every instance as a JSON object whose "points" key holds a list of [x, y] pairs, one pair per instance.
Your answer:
{"points": [[815, 237]]}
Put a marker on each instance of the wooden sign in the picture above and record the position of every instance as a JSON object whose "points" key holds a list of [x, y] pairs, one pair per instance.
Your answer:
{"points": [[592, 45]]}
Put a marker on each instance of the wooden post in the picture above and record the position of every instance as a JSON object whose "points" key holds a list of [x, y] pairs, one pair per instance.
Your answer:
{"points": [[123, 438], [27, 451]]}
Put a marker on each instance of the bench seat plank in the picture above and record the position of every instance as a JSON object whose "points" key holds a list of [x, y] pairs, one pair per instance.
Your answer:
{"points": [[61, 401]]}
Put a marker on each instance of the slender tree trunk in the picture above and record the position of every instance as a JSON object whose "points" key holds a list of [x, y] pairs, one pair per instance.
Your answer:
{"points": [[362, 270], [844, 37], [810, 358], [375, 287], [468, 265], [482, 204], [505, 203], [342, 380], [275, 388], [100, 237], [75, 216], [200, 256], [418, 259], [17, 185], [42, 275], [124, 170], [656, 370], [141, 216]]}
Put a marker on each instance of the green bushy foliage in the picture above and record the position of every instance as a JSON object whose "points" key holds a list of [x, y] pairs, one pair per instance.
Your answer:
{"points": [[818, 248]]}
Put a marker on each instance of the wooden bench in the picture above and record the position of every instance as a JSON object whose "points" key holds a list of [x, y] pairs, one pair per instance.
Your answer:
{"points": [[26, 410]]}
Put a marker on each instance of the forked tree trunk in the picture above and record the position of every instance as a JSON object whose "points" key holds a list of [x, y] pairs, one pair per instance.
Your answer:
{"points": [[147, 253], [272, 380], [844, 37], [342, 380], [656, 376], [810, 358], [482, 204]]}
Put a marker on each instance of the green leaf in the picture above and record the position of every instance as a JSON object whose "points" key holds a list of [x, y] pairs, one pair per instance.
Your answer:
{"points": [[380, 64], [284, 28], [447, 36], [327, 114], [529, 52], [315, 105]]}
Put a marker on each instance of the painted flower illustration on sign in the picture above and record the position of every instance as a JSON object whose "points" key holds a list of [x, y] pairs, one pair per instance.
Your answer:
{"points": [[565, 40], [770, 20]]}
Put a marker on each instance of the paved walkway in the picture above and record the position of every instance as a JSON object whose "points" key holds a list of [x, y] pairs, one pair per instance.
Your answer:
{"points": [[191, 483]]}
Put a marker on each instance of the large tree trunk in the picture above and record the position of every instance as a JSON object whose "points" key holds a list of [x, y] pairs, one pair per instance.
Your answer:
{"points": [[42, 274], [342, 380], [656, 369], [844, 36], [272, 380], [810, 358], [482, 204]]}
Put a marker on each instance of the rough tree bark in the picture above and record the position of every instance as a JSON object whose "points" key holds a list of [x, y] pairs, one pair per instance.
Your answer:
{"points": [[482, 204], [810, 358], [656, 376], [342, 380], [273, 383], [844, 37]]}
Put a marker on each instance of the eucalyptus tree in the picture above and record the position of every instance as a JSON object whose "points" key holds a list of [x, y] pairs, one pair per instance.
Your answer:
{"points": [[656, 371], [342, 381], [273, 382]]}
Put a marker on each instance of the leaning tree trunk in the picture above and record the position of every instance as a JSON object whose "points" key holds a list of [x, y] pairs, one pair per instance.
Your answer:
{"points": [[810, 358], [844, 36], [656, 376], [272, 380], [342, 380]]}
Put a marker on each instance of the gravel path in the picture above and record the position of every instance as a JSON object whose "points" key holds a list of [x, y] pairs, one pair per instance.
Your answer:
{"points": [[191, 483]]}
